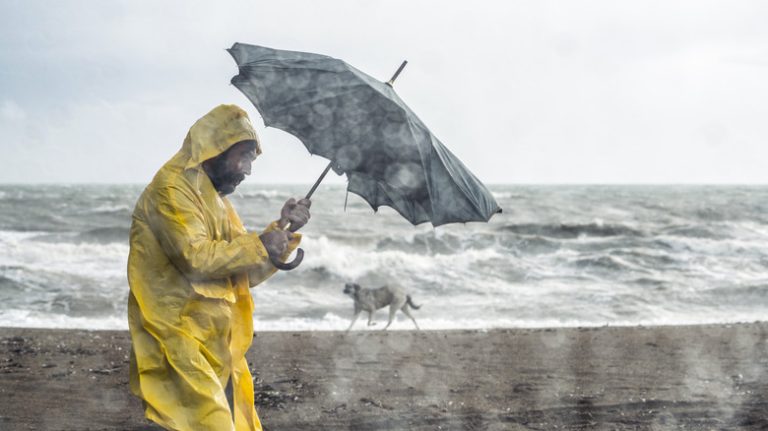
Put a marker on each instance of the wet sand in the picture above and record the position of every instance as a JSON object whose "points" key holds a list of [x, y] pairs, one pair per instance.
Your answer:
{"points": [[634, 378]]}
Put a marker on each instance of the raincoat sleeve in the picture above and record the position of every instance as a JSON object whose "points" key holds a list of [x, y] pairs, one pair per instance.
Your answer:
{"points": [[179, 226], [263, 272]]}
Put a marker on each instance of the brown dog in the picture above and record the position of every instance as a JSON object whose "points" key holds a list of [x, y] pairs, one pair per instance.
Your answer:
{"points": [[371, 300]]}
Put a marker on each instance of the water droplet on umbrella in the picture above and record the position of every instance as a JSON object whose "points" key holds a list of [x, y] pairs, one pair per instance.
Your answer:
{"points": [[348, 157], [404, 176]]}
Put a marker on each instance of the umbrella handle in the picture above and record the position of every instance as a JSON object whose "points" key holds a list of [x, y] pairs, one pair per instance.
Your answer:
{"points": [[299, 252], [287, 266]]}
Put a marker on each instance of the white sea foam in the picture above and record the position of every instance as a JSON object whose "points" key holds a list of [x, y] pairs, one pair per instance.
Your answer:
{"points": [[109, 208], [352, 262], [502, 195], [85, 259], [15, 318]]}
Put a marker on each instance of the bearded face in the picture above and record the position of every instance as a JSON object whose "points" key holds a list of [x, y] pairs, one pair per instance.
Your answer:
{"points": [[229, 169]]}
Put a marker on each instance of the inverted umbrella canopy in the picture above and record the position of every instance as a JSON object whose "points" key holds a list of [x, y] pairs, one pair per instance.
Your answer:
{"points": [[367, 132]]}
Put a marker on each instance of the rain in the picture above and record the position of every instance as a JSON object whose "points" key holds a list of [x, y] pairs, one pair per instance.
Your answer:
{"points": [[573, 194]]}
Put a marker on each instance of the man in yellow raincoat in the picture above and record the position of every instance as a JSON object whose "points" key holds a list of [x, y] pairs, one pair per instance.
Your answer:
{"points": [[190, 268]]}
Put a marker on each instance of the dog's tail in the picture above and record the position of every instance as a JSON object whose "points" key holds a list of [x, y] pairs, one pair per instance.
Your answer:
{"points": [[408, 300]]}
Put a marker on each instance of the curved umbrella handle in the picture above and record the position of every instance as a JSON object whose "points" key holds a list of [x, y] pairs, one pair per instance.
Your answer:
{"points": [[287, 266]]}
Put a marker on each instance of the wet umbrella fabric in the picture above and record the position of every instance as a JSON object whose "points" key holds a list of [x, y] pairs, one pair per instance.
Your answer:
{"points": [[359, 123]]}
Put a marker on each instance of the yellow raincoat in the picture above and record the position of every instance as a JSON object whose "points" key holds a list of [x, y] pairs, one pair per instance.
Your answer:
{"points": [[190, 267]]}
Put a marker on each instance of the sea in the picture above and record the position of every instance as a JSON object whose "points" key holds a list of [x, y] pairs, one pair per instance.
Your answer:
{"points": [[557, 256]]}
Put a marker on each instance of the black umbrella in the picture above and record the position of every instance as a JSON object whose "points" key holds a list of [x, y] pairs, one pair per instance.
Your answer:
{"points": [[366, 131]]}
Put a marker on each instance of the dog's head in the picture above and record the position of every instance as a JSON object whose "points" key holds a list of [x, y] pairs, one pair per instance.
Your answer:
{"points": [[351, 289]]}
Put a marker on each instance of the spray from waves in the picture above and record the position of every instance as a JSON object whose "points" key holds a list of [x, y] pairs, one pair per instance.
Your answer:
{"points": [[436, 243], [351, 263], [85, 259], [262, 194]]}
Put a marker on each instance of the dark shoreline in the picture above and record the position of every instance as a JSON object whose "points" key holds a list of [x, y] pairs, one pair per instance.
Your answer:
{"points": [[627, 378]]}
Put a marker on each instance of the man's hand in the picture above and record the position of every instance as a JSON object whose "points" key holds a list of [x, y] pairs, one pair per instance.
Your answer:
{"points": [[275, 241], [295, 213]]}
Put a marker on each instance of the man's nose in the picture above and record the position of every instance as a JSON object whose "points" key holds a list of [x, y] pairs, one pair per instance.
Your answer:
{"points": [[246, 168]]}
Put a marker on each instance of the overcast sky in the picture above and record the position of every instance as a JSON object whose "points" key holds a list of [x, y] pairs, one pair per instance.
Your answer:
{"points": [[522, 91]]}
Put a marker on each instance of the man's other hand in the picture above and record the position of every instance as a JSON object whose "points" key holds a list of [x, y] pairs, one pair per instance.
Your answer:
{"points": [[275, 241], [296, 213]]}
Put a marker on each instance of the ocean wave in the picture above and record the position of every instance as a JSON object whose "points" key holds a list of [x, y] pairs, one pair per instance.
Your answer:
{"points": [[45, 292], [9, 286], [612, 263], [650, 281], [102, 235], [695, 231], [261, 194], [711, 214], [109, 209], [530, 245], [739, 295], [507, 195], [105, 235], [93, 260], [653, 259], [351, 263], [428, 243], [572, 230], [318, 276], [22, 318], [441, 242]]}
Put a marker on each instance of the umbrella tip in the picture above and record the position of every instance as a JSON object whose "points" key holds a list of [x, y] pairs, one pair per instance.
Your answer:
{"points": [[399, 69]]}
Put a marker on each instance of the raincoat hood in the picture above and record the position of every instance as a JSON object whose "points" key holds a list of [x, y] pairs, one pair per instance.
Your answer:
{"points": [[215, 132]]}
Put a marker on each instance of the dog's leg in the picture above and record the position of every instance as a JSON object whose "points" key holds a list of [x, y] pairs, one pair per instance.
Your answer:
{"points": [[354, 319], [370, 318], [392, 311], [358, 310], [408, 313], [397, 303]]}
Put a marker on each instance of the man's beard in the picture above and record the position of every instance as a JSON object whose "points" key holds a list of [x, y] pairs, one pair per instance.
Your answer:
{"points": [[224, 181]]}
